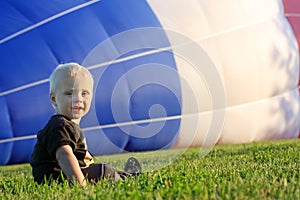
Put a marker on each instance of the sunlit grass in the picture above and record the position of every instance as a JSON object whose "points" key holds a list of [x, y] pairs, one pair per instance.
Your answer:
{"points": [[269, 170]]}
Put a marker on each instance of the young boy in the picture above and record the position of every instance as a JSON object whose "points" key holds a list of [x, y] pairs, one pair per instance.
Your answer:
{"points": [[61, 151]]}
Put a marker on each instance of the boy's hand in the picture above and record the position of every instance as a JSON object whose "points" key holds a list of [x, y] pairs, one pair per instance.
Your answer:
{"points": [[69, 164]]}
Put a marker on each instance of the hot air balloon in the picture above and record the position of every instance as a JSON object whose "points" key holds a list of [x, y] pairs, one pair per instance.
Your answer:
{"points": [[169, 74]]}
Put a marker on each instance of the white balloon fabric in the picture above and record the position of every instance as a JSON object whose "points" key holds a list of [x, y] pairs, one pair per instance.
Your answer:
{"points": [[168, 74]]}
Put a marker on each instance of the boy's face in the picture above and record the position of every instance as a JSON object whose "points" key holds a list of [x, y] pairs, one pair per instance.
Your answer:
{"points": [[73, 96]]}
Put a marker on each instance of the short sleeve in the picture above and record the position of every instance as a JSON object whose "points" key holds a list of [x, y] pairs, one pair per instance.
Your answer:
{"points": [[64, 135]]}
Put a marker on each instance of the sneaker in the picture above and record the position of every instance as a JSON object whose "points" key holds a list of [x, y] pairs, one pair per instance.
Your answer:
{"points": [[133, 167]]}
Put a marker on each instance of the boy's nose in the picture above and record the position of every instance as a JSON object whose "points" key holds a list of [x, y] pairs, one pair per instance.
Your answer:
{"points": [[77, 98]]}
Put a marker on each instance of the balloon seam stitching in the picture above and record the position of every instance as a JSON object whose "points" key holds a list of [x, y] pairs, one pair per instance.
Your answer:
{"points": [[16, 34]]}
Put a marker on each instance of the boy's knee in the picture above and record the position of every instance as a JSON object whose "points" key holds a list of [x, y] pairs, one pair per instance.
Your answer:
{"points": [[110, 173], [100, 171]]}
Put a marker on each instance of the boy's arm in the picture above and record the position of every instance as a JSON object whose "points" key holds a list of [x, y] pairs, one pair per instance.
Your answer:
{"points": [[88, 159], [69, 164]]}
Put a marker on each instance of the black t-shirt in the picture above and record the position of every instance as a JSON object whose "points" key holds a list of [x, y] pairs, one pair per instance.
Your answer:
{"points": [[58, 131]]}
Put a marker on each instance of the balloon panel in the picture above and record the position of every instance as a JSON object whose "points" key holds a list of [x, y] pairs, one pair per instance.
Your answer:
{"points": [[292, 10], [5, 132], [18, 15], [256, 54], [37, 102], [21, 151], [164, 139], [31, 108], [32, 54], [127, 99], [151, 88]]}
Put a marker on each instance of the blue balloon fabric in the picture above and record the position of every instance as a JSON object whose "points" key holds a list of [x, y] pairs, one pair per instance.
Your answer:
{"points": [[135, 91]]}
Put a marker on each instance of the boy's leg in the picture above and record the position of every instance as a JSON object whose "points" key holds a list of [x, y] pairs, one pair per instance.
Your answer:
{"points": [[100, 171]]}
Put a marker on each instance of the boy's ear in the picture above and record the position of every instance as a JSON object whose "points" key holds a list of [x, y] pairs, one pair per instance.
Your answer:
{"points": [[52, 98]]}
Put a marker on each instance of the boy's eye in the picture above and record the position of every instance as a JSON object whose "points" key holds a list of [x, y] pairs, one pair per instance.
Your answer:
{"points": [[85, 93], [68, 93]]}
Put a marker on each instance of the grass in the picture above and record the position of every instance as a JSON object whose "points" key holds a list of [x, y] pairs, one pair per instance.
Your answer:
{"points": [[266, 170]]}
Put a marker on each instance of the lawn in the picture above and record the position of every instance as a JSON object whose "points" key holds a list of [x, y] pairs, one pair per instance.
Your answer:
{"points": [[265, 170]]}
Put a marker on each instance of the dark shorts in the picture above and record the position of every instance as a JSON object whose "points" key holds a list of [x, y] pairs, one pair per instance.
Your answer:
{"points": [[101, 171]]}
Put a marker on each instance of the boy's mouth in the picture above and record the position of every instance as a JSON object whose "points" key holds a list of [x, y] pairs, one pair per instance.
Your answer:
{"points": [[77, 108]]}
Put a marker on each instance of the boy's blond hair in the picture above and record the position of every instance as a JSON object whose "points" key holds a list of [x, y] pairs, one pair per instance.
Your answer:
{"points": [[68, 70]]}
